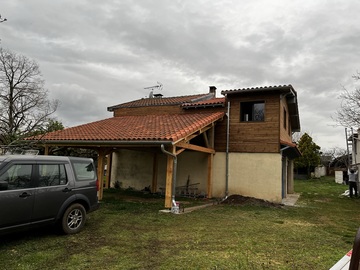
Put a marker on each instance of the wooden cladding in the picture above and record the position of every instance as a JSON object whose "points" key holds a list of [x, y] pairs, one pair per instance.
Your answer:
{"points": [[251, 136]]}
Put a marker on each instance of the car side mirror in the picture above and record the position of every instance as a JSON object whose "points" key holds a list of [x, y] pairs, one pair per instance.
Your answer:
{"points": [[3, 185]]}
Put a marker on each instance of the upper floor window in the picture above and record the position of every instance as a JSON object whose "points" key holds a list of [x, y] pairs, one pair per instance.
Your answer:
{"points": [[252, 111], [285, 118]]}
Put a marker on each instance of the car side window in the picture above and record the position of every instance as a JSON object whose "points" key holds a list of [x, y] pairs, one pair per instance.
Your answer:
{"points": [[84, 170], [18, 176], [52, 175]]}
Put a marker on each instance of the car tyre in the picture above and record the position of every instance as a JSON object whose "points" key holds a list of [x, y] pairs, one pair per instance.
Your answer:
{"points": [[73, 219]]}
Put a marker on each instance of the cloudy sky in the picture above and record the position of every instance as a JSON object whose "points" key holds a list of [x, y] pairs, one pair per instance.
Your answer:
{"points": [[95, 54]]}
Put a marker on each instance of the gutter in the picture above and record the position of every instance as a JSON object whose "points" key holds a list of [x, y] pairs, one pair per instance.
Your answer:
{"points": [[227, 151]]}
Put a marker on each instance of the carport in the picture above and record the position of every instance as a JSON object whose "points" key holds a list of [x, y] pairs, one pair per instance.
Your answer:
{"points": [[175, 133]]}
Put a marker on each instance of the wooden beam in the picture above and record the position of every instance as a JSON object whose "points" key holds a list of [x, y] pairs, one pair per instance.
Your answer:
{"points": [[169, 178], [178, 152], [195, 147], [206, 140]]}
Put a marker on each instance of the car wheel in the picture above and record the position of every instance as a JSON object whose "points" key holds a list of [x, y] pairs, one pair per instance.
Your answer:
{"points": [[73, 219]]}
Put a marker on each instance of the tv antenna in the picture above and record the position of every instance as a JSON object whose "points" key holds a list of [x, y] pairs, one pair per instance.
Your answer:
{"points": [[2, 19], [159, 87]]}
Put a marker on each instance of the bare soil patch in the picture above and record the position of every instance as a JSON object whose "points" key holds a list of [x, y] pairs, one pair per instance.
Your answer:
{"points": [[244, 200]]}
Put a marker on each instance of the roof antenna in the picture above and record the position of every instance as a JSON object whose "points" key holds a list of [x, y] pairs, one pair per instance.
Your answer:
{"points": [[159, 86], [2, 19]]}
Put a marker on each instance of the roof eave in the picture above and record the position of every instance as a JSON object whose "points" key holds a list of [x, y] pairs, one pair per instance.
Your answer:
{"points": [[281, 88]]}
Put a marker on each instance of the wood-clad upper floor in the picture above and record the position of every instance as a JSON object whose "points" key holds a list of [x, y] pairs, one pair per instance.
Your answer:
{"points": [[259, 119]]}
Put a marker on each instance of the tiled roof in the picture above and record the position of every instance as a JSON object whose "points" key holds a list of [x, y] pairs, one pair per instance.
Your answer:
{"points": [[214, 102], [145, 102], [136, 128], [259, 89]]}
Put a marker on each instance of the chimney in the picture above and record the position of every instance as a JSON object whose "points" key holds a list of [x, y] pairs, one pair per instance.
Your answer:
{"points": [[212, 90]]}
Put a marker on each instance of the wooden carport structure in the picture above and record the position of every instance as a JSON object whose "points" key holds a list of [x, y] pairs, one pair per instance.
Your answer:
{"points": [[173, 132]]}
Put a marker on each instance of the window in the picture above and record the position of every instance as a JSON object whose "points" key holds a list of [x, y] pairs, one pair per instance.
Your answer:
{"points": [[285, 119], [52, 175], [252, 111], [84, 170], [18, 176]]}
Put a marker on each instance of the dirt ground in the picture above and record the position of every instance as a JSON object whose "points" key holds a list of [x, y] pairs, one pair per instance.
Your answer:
{"points": [[243, 200]]}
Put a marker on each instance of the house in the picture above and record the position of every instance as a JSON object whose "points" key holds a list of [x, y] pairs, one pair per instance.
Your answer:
{"points": [[238, 144]]}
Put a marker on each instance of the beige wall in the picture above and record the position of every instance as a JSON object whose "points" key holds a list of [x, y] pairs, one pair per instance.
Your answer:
{"points": [[255, 175], [132, 169], [135, 169], [250, 174]]}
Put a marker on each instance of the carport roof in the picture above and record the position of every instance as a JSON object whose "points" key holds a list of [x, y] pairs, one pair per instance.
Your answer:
{"points": [[152, 128]]}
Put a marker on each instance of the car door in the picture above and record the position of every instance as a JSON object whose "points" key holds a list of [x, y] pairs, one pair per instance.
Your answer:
{"points": [[17, 195], [54, 188]]}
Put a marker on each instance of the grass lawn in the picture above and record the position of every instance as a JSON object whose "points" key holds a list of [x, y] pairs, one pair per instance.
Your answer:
{"points": [[129, 232]]}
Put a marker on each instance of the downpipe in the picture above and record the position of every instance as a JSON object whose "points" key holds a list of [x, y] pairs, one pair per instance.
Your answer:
{"points": [[174, 206], [227, 151]]}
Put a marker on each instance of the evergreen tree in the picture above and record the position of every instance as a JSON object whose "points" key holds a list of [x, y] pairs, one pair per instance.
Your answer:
{"points": [[310, 154]]}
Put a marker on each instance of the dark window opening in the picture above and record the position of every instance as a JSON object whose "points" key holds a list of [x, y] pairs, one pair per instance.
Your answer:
{"points": [[252, 111], [285, 119]]}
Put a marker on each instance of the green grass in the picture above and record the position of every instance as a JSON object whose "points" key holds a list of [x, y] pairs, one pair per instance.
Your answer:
{"points": [[129, 232]]}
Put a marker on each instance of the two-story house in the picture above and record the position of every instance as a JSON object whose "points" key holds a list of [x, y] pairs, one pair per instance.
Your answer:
{"points": [[238, 144]]}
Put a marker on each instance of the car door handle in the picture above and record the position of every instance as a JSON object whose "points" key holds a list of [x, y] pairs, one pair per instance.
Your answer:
{"points": [[24, 195], [67, 189]]}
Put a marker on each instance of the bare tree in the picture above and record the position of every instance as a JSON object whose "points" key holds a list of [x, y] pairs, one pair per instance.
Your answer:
{"points": [[24, 104], [337, 156], [349, 113]]}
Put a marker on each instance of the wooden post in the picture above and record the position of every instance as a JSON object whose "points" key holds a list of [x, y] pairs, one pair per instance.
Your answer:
{"points": [[169, 179], [211, 138], [46, 151], [155, 173], [210, 175], [108, 170], [100, 175]]}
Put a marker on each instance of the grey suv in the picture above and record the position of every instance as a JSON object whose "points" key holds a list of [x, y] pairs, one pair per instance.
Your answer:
{"points": [[36, 190]]}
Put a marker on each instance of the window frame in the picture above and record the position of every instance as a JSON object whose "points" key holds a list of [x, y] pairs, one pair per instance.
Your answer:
{"points": [[245, 106]]}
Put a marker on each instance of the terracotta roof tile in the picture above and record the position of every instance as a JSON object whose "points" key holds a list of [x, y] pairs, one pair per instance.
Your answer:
{"points": [[136, 128], [205, 103], [145, 102]]}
